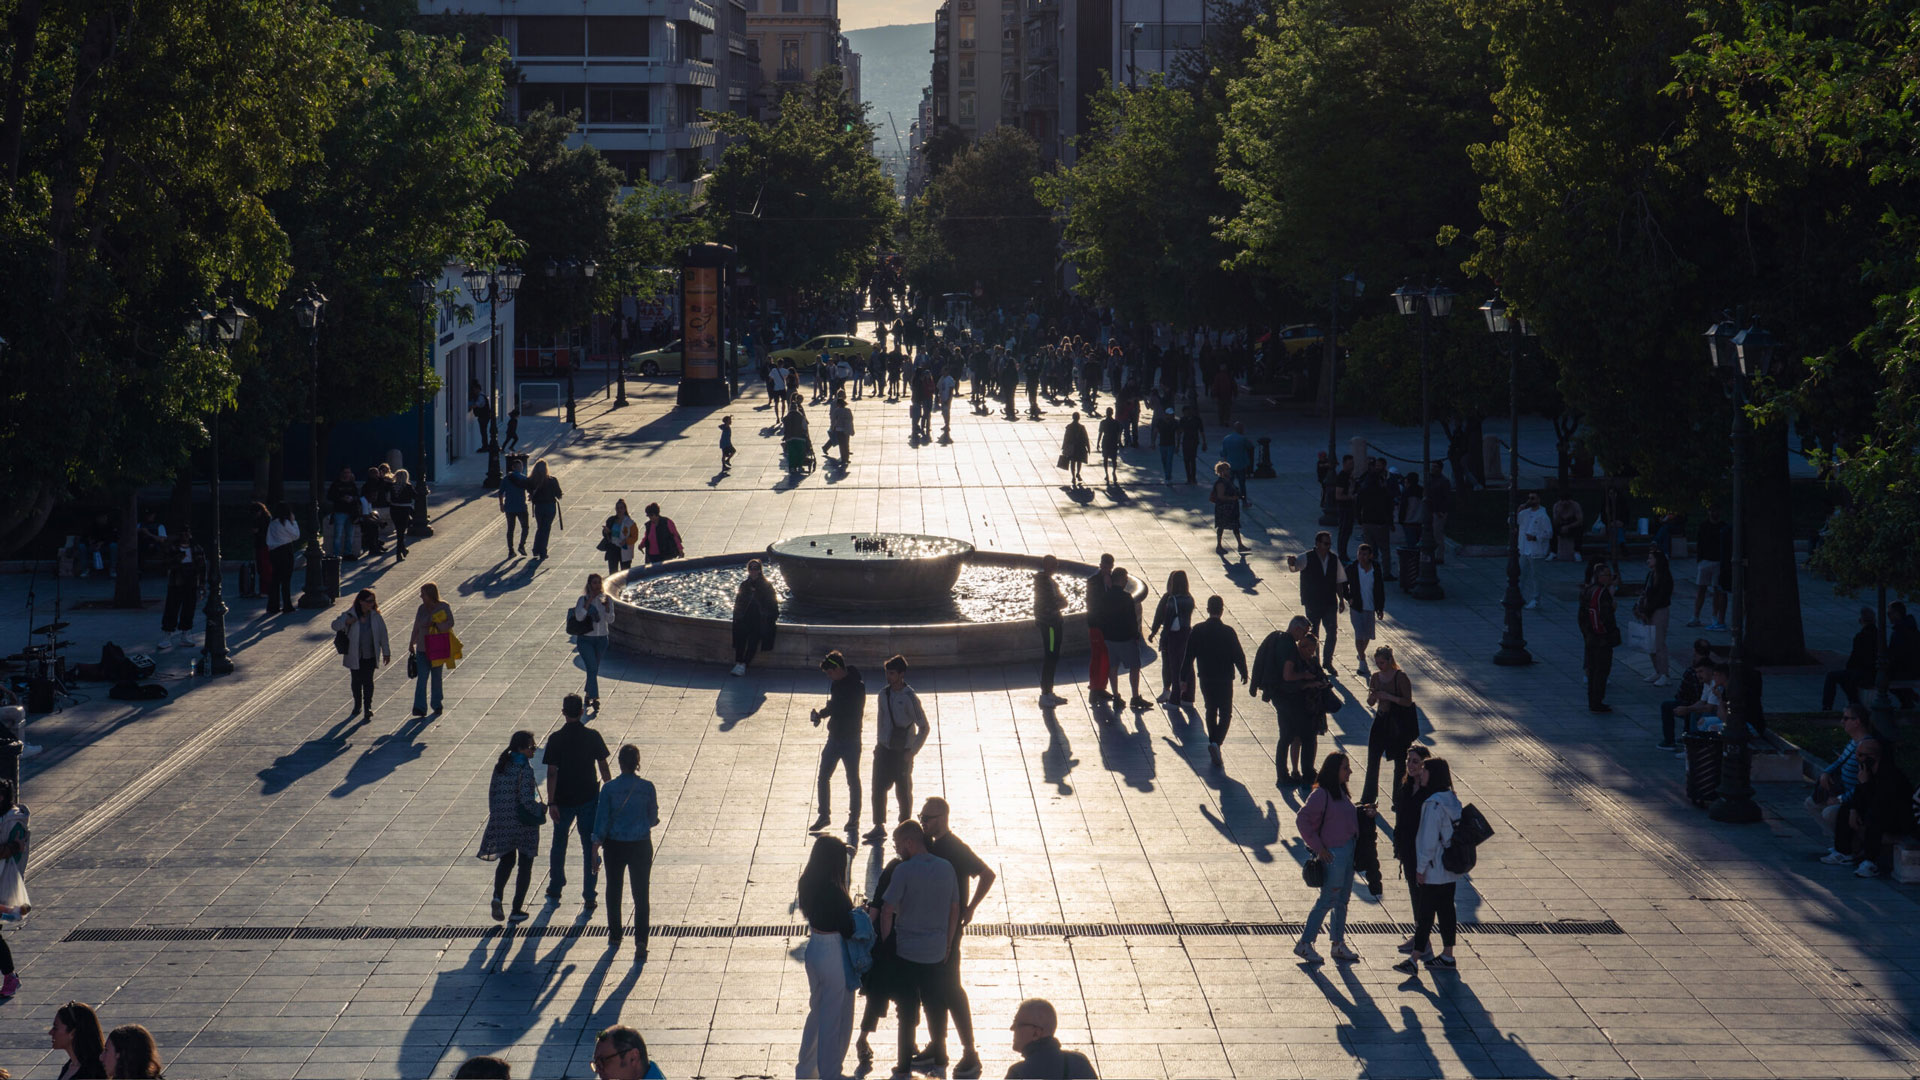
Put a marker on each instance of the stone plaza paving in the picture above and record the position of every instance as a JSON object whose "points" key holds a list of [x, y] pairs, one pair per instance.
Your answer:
{"points": [[278, 891]]}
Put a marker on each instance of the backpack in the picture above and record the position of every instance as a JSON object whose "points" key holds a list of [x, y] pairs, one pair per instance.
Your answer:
{"points": [[1469, 833]]}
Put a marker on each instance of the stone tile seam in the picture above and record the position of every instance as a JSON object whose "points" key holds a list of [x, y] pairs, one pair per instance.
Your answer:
{"points": [[1816, 976]]}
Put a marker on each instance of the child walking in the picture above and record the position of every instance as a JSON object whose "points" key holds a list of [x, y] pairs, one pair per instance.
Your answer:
{"points": [[513, 430], [726, 443]]}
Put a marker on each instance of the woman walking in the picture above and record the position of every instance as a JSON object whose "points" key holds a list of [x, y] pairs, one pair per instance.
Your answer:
{"points": [[262, 519], [431, 646], [1438, 817], [1413, 499], [828, 910], [1073, 448], [755, 611], [591, 626], [514, 816], [1226, 499], [400, 504], [1330, 826], [283, 535], [130, 1053], [660, 539], [367, 648], [1176, 614], [76, 1032], [1656, 600], [543, 491], [1599, 632], [1396, 723], [617, 538]]}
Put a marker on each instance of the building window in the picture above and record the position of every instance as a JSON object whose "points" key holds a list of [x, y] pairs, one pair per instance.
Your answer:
{"points": [[634, 165], [966, 107], [790, 7], [561, 98], [966, 31], [552, 35], [966, 71], [617, 105], [618, 35], [789, 58]]}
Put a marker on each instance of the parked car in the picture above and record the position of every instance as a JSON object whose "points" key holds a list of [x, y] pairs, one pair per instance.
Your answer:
{"points": [[666, 361], [1303, 336], [805, 356]]}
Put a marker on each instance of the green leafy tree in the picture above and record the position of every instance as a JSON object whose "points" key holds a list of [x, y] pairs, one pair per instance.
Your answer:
{"points": [[140, 146], [561, 205], [801, 196], [980, 223]]}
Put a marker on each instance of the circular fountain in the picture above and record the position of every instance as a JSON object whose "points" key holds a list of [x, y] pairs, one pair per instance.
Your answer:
{"points": [[936, 600]]}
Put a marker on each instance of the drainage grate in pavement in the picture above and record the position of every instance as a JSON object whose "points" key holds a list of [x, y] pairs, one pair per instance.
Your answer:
{"points": [[1006, 930]]}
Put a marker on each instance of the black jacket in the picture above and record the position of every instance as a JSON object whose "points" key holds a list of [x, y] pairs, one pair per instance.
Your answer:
{"points": [[1047, 601], [846, 706], [1866, 650], [1215, 649], [1375, 603], [1096, 599], [344, 497], [1270, 667], [1318, 589], [1407, 800]]}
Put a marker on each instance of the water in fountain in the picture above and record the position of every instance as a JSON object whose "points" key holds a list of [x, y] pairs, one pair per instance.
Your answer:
{"points": [[982, 594]]}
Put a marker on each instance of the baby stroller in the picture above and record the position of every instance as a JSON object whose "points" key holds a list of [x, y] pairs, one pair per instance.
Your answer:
{"points": [[799, 454]]}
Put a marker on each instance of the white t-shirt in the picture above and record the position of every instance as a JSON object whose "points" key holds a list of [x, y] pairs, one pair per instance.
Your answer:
{"points": [[1536, 531], [1363, 583], [945, 388]]}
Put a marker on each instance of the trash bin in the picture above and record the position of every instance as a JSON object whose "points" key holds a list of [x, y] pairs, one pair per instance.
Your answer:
{"points": [[1702, 757], [1409, 567]]}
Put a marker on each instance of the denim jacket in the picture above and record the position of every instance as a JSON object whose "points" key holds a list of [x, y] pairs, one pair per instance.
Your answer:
{"points": [[858, 952]]}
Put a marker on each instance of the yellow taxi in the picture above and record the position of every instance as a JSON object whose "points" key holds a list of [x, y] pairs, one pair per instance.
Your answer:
{"points": [[805, 356]]}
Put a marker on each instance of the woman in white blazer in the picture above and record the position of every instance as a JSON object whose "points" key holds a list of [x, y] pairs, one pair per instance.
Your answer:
{"points": [[1434, 883], [367, 648]]}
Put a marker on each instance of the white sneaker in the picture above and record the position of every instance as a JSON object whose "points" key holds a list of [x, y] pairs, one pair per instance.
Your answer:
{"points": [[1662, 681], [1834, 858], [739, 669], [166, 642], [1531, 604], [1866, 869]]}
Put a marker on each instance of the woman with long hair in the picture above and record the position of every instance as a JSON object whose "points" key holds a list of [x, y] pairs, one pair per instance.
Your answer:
{"points": [[756, 608], [367, 647], [432, 619], [1656, 601], [828, 910], [594, 610], [617, 537], [1438, 817], [1330, 825], [76, 1031], [1226, 499], [1396, 723], [1176, 614], [131, 1054], [543, 492], [282, 537], [514, 817]]}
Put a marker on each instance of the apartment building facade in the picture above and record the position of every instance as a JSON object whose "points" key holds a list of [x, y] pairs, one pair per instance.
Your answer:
{"points": [[635, 72], [795, 39]]}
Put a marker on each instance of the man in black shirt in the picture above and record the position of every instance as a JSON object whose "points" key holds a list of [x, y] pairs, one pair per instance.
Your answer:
{"points": [[845, 712], [1214, 648], [1323, 587], [573, 755], [1047, 607], [1373, 505], [967, 866]]}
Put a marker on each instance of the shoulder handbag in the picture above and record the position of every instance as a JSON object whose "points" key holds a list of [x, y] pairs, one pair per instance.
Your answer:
{"points": [[1314, 873], [341, 642], [1330, 700], [578, 627], [529, 815]]}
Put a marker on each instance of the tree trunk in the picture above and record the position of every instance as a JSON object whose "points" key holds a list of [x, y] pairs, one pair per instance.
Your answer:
{"points": [[276, 479], [24, 520], [126, 587], [180, 503], [262, 478], [1565, 426], [1774, 631]]}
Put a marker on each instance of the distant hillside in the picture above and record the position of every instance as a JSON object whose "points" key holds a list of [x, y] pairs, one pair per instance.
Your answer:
{"points": [[894, 64]]}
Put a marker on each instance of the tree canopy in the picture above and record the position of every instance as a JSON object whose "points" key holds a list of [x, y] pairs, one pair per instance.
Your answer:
{"points": [[980, 222]]}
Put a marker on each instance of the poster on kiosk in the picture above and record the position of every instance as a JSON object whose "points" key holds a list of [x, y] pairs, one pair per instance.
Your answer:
{"points": [[703, 319]]}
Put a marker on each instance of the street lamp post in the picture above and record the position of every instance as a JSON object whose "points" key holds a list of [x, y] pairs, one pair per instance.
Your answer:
{"points": [[1513, 643], [1428, 305], [1357, 288], [490, 285], [308, 308], [1133, 56], [1739, 357], [423, 299], [225, 328], [568, 269]]}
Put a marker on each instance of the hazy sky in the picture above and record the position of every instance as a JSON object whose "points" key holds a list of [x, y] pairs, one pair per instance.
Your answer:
{"points": [[860, 14]]}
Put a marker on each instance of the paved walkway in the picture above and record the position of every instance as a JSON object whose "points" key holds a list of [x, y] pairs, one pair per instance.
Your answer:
{"points": [[278, 891]]}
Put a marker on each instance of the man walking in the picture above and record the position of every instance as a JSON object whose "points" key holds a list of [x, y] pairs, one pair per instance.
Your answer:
{"points": [[1214, 650], [845, 712], [1536, 532], [1193, 439], [943, 844], [840, 428], [1048, 607], [573, 755], [1710, 549], [1343, 507], [623, 822], [1098, 585], [1322, 588], [1281, 677], [1373, 505], [1600, 635], [1237, 451], [900, 730], [513, 503], [1439, 505], [1366, 592], [921, 909]]}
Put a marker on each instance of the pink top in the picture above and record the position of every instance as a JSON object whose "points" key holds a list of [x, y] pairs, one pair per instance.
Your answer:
{"points": [[1326, 824]]}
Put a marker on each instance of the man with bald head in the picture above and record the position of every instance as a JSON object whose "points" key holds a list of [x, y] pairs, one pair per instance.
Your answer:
{"points": [[1041, 1058]]}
